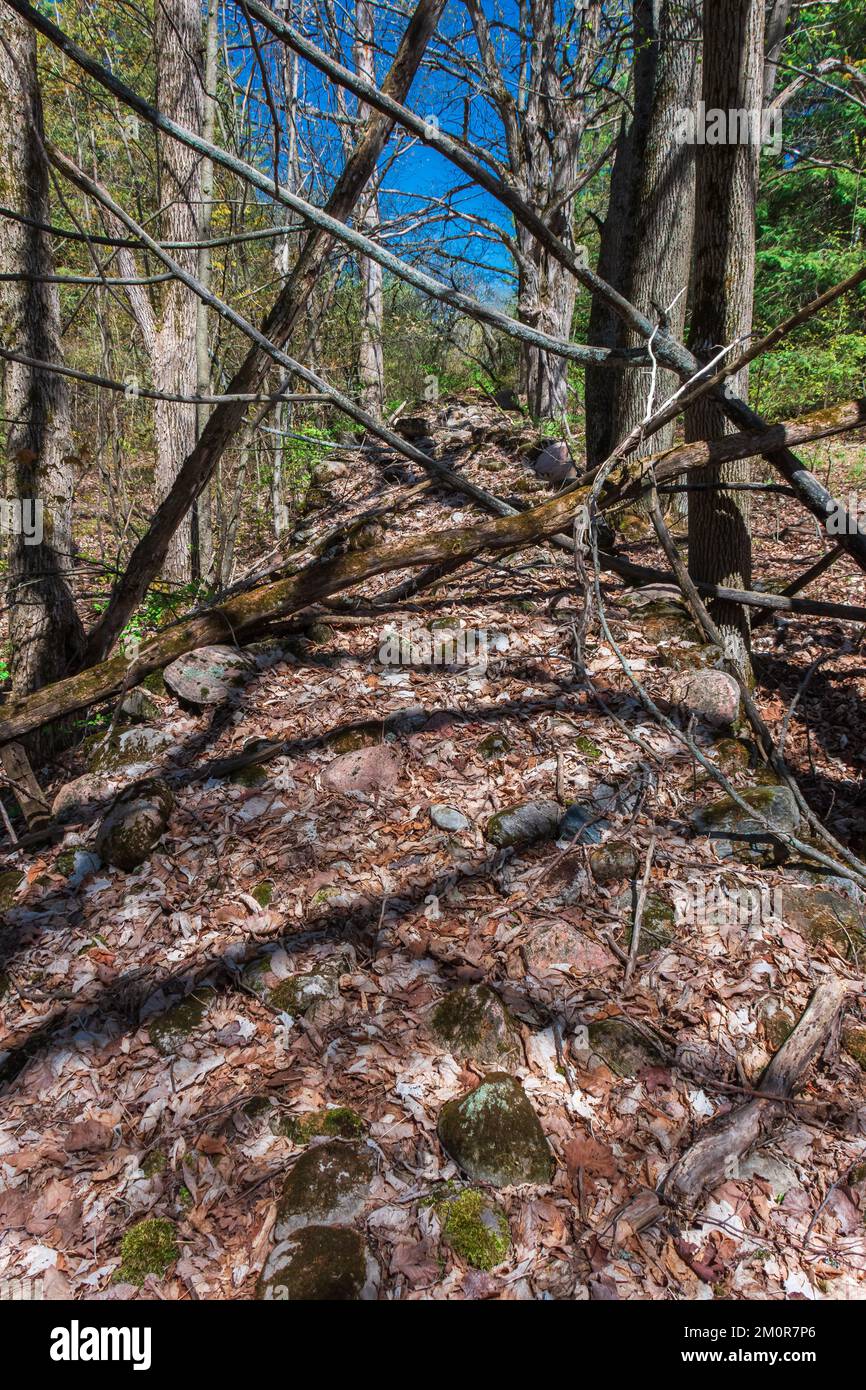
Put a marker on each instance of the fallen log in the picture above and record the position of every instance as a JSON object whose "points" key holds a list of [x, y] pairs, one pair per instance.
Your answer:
{"points": [[248, 613], [714, 1156]]}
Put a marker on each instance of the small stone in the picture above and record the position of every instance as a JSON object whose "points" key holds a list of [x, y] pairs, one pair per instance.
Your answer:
{"points": [[365, 770], [524, 823], [139, 707], [556, 946], [208, 675], [448, 818], [555, 463], [494, 1136], [10, 881], [582, 824], [776, 1022], [740, 834], [316, 1264], [83, 794], [622, 1048], [475, 1026], [713, 696], [614, 860], [494, 746], [328, 1185], [134, 826]]}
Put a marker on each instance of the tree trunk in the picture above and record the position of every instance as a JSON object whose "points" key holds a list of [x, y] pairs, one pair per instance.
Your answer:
{"points": [[720, 544], [662, 205], [180, 95], [651, 182], [371, 367], [46, 634], [202, 518]]}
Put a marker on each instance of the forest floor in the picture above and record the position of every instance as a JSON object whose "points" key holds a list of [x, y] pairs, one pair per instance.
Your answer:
{"points": [[117, 1109]]}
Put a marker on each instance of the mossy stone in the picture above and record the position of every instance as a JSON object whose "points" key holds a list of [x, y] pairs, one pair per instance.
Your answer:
{"points": [[494, 746], [350, 740], [475, 1026], [776, 1022], [494, 1135], [742, 835], [614, 860], [625, 1051], [316, 1263], [524, 823], [328, 1184], [134, 825], [125, 749], [168, 1031], [475, 1229], [253, 775], [657, 925], [10, 881], [821, 914], [854, 1043], [149, 1247]]}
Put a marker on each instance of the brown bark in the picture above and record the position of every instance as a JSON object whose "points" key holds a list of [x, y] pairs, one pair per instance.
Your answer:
{"points": [[46, 635], [180, 94], [720, 545]]}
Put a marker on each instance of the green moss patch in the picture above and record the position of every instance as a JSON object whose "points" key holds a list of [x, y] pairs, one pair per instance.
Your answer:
{"points": [[475, 1229], [338, 1122], [149, 1247]]}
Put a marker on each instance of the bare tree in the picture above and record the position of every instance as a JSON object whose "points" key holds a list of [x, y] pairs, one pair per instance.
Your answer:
{"points": [[371, 366], [720, 545], [543, 116], [46, 634]]}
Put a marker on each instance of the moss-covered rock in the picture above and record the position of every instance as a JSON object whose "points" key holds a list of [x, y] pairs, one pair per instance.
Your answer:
{"points": [[149, 1247], [622, 1048], [168, 1031], [350, 740], [328, 1185], [854, 1043], [10, 881], [127, 749], [316, 1263], [475, 1026], [657, 925], [738, 833], [301, 994], [822, 914], [134, 825], [253, 775], [614, 860], [139, 707], [208, 675], [494, 1136], [476, 1229], [336, 1122], [494, 746], [524, 823]]}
